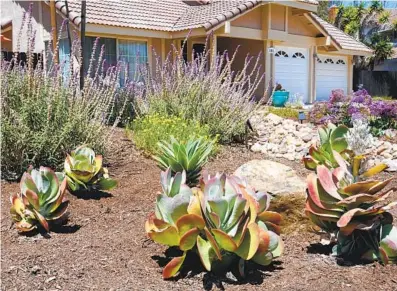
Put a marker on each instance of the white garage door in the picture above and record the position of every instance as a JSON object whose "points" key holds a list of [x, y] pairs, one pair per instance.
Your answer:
{"points": [[292, 70], [331, 73]]}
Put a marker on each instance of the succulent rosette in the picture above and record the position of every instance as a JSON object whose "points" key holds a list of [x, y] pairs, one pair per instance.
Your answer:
{"points": [[222, 220], [42, 199], [84, 169], [332, 139], [341, 201]]}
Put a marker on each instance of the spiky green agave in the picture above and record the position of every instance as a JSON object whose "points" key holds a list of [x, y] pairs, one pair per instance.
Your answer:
{"points": [[84, 169], [42, 199], [189, 157]]}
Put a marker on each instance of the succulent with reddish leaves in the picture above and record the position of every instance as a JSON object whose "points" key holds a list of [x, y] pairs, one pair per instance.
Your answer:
{"points": [[84, 170], [224, 220], [332, 139], [42, 199], [342, 202]]}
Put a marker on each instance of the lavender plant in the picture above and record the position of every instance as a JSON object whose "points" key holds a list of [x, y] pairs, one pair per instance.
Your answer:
{"points": [[208, 93], [44, 114]]}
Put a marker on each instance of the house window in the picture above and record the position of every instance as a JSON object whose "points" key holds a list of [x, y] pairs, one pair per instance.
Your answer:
{"points": [[281, 54], [298, 56], [109, 56], [329, 61], [319, 61], [198, 49], [132, 54], [340, 62], [64, 55]]}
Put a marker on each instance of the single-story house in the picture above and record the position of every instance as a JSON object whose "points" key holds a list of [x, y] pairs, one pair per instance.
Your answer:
{"points": [[302, 52]]}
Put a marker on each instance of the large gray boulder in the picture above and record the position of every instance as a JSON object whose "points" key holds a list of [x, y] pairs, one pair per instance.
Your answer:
{"points": [[272, 177]]}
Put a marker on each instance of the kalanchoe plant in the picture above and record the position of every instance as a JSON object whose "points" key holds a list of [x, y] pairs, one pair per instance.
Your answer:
{"points": [[42, 199], [342, 202], [223, 220], [187, 156], [332, 138], [84, 170]]}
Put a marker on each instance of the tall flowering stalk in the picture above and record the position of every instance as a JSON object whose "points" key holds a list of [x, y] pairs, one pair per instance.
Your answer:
{"points": [[210, 93], [44, 114]]}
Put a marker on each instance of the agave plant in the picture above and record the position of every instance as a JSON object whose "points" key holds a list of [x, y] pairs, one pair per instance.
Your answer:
{"points": [[84, 170], [223, 220], [189, 157], [340, 201], [332, 139], [42, 199]]}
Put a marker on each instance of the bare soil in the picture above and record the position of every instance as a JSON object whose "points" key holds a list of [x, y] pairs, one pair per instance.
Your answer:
{"points": [[103, 246]]}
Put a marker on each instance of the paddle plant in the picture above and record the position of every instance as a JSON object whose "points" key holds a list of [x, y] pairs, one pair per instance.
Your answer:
{"points": [[342, 202], [187, 156], [41, 200], [223, 220], [332, 138], [84, 170]]}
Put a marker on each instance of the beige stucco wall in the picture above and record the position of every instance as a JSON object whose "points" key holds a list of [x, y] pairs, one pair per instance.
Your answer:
{"points": [[278, 13], [299, 25], [251, 19], [251, 47], [7, 45]]}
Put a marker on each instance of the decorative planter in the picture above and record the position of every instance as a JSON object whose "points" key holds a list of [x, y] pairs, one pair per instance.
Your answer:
{"points": [[279, 98]]}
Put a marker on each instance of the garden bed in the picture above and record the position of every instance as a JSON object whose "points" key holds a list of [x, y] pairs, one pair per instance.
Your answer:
{"points": [[104, 246]]}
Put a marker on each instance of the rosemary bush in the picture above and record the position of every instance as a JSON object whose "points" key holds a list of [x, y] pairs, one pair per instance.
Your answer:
{"points": [[44, 114], [210, 94]]}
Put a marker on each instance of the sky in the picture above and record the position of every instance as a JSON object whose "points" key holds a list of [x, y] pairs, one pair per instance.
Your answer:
{"points": [[386, 4]]}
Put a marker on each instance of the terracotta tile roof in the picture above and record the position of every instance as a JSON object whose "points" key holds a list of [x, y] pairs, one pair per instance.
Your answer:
{"points": [[343, 40], [165, 15]]}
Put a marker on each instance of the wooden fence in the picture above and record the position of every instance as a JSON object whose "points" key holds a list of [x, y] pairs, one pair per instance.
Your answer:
{"points": [[377, 83]]}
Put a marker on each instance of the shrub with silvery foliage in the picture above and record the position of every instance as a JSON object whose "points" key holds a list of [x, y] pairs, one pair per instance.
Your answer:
{"points": [[359, 137]]}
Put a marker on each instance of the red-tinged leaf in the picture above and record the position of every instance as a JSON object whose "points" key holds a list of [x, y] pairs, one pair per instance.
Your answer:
{"points": [[378, 187], [325, 214], [168, 236], [188, 240], [319, 196], [348, 216], [60, 211], [17, 205], [41, 220], [360, 187], [242, 229], [189, 221], [273, 227], [326, 181], [213, 243], [270, 216], [309, 163], [215, 219], [340, 161], [250, 243], [172, 268], [327, 225], [348, 229], [383, 255], [338, 174], [264, 241], [24, 226], [224, 240], [356, 200]]}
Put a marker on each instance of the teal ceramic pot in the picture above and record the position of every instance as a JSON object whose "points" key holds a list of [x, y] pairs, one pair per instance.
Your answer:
{"points": [[279, 98]]}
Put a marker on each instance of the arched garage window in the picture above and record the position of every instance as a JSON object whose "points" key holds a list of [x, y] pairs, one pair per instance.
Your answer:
{"points": [[329, 61], [281, 54], [340, 62], [298, 56], [319, 61]]}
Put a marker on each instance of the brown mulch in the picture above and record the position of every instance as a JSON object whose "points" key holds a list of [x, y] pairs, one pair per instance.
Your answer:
{"points": [[103, 246]]}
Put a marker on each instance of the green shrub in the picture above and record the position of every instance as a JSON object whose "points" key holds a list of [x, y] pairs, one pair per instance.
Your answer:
{"points": [[284, 112], [214, 95], [44, 114], [149, 130]]}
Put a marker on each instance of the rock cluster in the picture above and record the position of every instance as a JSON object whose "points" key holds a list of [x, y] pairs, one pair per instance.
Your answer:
{"points": [[285, 138]]}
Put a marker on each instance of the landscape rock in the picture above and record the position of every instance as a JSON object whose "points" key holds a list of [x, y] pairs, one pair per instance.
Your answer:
{"points": [[273, 177], [392, 165]]}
